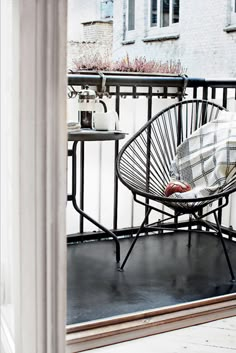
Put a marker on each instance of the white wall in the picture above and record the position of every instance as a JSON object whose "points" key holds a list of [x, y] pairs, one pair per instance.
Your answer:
{"points": [[203, 47], [81, 11]]}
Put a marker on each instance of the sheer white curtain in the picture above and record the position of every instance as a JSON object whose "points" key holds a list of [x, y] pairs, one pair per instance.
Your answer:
{"points": [[9, 217], [33, 176]]}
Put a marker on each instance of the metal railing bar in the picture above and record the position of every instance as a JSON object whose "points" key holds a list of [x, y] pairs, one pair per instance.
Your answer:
{"points": [[225, 95], [130, 231], [149, 116], [115, 202], [228, 83], [213, 93], [195, 92], [224, 103], [205, 92], [145, 94], [92, 79], [81, 204], [146, 80]]}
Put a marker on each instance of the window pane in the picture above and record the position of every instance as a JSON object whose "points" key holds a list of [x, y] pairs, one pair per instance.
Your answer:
{"points": [[154, 13], [165, 13], [131, 12], [176, 11], [106, 9], [235, 6]]}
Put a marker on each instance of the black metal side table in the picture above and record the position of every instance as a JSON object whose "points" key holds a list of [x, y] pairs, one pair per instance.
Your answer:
{"points": [[83, 136]]}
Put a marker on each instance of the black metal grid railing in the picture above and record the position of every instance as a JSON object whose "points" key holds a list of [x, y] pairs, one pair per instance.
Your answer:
{"points": [[149, 86]]}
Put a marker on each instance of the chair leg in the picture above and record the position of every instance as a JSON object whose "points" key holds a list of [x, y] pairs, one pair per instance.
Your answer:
{"points": [[224, 247], [135, 239], [190, 232]]}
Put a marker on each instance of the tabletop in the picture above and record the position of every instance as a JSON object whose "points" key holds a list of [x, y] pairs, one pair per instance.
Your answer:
{"points": [[93, 135]]}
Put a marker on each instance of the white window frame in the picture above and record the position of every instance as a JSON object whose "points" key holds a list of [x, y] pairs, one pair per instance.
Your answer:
{"points": [[37, 155], [129, 34], [40, 152], [233, 12], [158, 25]]}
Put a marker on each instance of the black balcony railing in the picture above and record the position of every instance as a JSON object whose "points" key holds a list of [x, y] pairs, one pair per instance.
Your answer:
{"points": [[118, 86]]}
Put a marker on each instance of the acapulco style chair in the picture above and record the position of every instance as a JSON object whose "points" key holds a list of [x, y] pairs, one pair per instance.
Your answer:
{"points": [[143, 166]]}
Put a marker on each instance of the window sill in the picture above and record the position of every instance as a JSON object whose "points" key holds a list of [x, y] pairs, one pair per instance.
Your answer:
{"points": [[161, 38], [127, 42], [231, 28], [104, 332]]}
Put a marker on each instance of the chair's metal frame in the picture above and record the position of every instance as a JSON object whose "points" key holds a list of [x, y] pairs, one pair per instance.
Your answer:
{"points": [[143, 166]]}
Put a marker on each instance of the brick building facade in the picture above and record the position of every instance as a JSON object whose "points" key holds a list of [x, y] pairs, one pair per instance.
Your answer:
{"points": [[203, 37]]}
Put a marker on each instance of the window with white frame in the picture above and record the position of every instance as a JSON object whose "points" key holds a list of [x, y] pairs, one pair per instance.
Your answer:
{"points": [[233, 12], [106, 8], [131, 15], [164, 13]]}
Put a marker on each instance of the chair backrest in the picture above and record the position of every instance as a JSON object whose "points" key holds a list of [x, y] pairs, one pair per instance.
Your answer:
{"points": [[144, 162]]}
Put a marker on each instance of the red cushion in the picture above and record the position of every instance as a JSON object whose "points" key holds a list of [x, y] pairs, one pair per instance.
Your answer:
{"points": [[176, 186]]}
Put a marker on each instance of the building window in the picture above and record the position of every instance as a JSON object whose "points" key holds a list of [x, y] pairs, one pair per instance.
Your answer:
{"points": [[131, 15], [233, 6], [175, 11], [233, 12], [153, 13], [106, 9], [164, 13]]}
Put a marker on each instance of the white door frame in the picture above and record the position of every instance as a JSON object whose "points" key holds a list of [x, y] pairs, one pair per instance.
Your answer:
{"points": [[38, 154], [36, 134]]}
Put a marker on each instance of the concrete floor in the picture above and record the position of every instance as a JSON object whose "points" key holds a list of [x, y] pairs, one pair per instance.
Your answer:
{"points": [[161, 271]]}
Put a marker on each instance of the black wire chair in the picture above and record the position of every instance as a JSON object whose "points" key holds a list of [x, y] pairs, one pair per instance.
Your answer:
{"points": [[143, 166]]}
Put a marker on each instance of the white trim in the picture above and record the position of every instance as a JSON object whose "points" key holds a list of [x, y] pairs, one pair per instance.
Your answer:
{"points": [[6, 342], [157, 30], [9, 179], [39, 156], [42, 171], [233, 12], [120, 329]]}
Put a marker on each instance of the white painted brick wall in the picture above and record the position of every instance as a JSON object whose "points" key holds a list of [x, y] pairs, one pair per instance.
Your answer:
{"points": [[81, 11], [204, 48], [98, 31], [98, 38]]}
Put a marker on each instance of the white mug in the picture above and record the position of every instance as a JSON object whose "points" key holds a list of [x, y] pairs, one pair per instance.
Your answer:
{"points": [[115, 118], [104, 121]]}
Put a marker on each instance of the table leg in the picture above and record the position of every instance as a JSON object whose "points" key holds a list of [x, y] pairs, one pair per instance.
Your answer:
{"points": [[81, 177], [72, 198]]}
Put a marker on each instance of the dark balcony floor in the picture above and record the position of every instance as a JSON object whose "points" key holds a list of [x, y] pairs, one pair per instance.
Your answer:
{"points": [[161, 271]]}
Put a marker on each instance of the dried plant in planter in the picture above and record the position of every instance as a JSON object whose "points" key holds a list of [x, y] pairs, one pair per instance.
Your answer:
{"points": [[92, 57], [97, 62], [141, 64]]}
